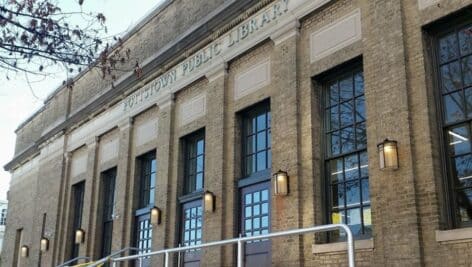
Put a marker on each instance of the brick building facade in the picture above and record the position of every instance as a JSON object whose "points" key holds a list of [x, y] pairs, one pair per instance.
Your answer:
{"points": [[233, 91]]}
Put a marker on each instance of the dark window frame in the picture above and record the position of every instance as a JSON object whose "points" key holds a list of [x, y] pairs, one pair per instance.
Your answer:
{"points": [[78, 194], [248, 114], [349, 68], [3, 217], [433, 33], [145, 174], [190, 178], [144, 170], [108, 182]]}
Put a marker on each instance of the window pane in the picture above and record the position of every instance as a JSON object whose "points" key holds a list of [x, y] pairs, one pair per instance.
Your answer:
{"points": [[200, 146], [200, 163], [334, 143], [257, 210], [359, 83], [192, 166], [351, 167], [451, 77], [361, 136], [248, 224], [336, 170], [468, 101], [333, 118], [465, 40], [250, 164], [464, 201], [360, 109], [153, 165], [367, 221], [346, 112], [269, 159], [151, 196], [365, 191], [152, 180], [333, 94], [459, 140], [463, 170], [338, 195], [265, 208], [353, 194], [265, 195], [250, 126], [453, 107], [248, 212], [336, 217], [261, 122], [248, 199], [345, 88], [256, 223], [256, 197], [354, 221], [261, 161], [199, 181], [265, 221], [467, 70], [364, 164], [348, 141], [261, 141], [269, 119], [448, 48], [250, 144]]}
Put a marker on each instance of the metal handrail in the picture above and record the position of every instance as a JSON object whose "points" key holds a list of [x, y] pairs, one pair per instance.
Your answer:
{"points": [[72, 260], [110, 257], [241, 240]]}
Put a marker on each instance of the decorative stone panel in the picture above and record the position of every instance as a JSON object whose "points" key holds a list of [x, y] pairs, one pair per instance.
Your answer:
{"points": [[252, 79], [192, 109], [336, 36]]}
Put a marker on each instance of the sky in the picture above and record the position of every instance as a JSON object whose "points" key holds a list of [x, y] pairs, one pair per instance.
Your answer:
{"points": [[18, 100]]}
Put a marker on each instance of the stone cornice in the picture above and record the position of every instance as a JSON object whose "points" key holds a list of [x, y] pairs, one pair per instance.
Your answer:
{"points": [[252, 30], [207, 27]]}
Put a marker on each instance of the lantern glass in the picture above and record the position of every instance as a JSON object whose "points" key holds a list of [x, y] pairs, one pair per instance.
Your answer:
{"points": [[280, 180], [24, 251], [79, 236], [44, 244], [209, 201], [388, 155], [155, 215]]}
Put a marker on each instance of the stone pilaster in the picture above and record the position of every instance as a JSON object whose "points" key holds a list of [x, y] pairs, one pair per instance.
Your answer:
{"points": [[395, 215], [121, 221], [285, 138], [161, 233], [215, 182], [65, 213], [89, 210]]}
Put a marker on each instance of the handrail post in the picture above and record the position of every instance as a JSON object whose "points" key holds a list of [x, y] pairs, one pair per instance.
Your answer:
{"points": [[178, 256], [350, 246], [166, 259], [240, 253], [140, 261]]}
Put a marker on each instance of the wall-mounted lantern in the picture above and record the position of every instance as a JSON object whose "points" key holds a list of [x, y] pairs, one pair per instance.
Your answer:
{"points": [[388, 155], [24, 251], [44, 246], [155, 215], [79, 236], [209, 201], [280, 181]]}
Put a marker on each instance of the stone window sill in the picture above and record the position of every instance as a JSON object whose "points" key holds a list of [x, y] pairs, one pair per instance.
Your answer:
{"points": [[367, 244], [455, 235]]}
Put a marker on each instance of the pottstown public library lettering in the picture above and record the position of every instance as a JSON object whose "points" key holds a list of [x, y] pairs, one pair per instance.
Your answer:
{"points": [[254, 117]]}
